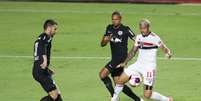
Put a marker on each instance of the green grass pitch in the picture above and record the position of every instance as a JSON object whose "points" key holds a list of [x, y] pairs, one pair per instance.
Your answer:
{"points": [[81, 27]]}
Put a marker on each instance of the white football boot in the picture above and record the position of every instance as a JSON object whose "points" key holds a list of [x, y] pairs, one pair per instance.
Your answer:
{"points": [[115, 98]]}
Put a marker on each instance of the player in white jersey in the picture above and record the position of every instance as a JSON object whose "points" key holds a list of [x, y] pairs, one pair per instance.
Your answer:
{"points": [[147, 44]]}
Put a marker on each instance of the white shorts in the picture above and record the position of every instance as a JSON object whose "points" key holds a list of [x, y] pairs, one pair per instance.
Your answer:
{"points": [[148, 71]]}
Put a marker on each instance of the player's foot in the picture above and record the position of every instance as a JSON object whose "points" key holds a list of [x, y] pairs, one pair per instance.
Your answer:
{"points": [[170, 99], [115, 98], [141, 99]]}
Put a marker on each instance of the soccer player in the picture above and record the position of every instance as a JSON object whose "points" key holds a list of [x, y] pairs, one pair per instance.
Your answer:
{"points": [[117, 35], [147, 43], [41, 71]]}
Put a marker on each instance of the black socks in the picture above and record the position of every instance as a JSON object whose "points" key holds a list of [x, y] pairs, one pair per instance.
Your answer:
{"points": [[59, 98], [49, 98], [108, 83], [46, 98], [130, 93]]}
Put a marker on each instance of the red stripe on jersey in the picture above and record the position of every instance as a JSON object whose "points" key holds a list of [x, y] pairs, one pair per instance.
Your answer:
{"points": [[146, 43]]}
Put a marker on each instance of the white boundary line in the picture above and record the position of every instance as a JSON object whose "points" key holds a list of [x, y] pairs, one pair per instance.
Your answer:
{"points": [[91, 12], [100, 58]]}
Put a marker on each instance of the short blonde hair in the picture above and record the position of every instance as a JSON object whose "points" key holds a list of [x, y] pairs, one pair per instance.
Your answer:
{"points": [[145, 22]]}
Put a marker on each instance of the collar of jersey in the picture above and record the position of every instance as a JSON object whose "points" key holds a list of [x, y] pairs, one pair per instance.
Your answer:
{"points": [[146, 35], [117, 27]]}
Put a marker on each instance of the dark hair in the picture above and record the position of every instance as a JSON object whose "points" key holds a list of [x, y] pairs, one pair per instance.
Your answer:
{"points": [[49, 22], [116, 13]]}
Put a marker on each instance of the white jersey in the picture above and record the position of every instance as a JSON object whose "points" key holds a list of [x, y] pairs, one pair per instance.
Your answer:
{"points": [[146, 61], [148, 46]]}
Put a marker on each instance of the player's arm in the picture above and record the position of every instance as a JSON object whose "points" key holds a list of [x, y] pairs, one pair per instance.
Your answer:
{"points": [[105, 40], [131, 34], [131, 54], [42, 51], [107, 36], [165, 49], [44, 64]]}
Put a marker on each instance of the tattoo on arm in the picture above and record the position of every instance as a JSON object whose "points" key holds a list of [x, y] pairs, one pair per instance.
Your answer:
{"points": [[131, 54], [164, 48]]}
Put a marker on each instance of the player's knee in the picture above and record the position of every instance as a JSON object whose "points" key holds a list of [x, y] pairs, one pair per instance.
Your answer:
{"points": [[147, 94], [119, 81], [103, 74], [54, 94], [122, 79]]}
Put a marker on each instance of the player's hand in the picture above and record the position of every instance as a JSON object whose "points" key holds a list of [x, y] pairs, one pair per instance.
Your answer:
{"points": [[168, 55], [108, 38], [43, 65], [121, 65], [50, 71]]}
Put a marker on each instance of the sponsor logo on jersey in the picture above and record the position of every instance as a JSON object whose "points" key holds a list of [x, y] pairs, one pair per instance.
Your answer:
{"points": [[116, 40]]}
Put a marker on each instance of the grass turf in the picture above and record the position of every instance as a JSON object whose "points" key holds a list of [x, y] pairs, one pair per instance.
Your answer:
{"points": [[81, 27]]}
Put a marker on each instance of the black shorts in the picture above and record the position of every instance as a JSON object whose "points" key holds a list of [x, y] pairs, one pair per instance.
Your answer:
{"points": [[112, 67], [44, 78]]}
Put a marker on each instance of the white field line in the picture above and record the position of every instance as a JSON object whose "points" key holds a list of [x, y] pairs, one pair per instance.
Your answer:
{"points": [[189, 4], [91, 12], [99, 58]]}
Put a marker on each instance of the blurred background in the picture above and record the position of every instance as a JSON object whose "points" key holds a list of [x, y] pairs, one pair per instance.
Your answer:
{"points": [[122, 1], [77, 56]]}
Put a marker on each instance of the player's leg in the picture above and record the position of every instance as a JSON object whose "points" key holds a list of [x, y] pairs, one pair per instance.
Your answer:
{"points": [[49, 86], [149, 94], [130, 93], [126, 89], [149, 78], [47, 98], [104, 76], [55, 95], [44, 78], [119, 86], [125, 76], [52, 96]]}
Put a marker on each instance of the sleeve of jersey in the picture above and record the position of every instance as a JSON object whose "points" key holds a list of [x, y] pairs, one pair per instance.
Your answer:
{"points": [[130, 33], [107, 31], [159, 42], [41, 48]]}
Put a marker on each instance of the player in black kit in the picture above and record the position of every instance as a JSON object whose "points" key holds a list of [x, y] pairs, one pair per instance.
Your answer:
{"points": [[41, 71], [117, 34]]}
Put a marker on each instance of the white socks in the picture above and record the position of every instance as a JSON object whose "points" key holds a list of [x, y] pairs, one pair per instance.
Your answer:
{"points": [[158, 97], [155, 95], [117, 90]]}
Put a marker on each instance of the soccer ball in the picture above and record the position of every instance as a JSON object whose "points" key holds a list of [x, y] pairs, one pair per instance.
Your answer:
{"points": [[135, 79]]}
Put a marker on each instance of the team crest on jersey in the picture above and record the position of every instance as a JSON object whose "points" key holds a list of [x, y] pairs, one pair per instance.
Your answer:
{"points": [[120, 33]]}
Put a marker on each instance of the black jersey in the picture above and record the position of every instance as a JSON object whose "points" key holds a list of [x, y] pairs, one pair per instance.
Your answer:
{"points": [[119, 41], [42, 46]]}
